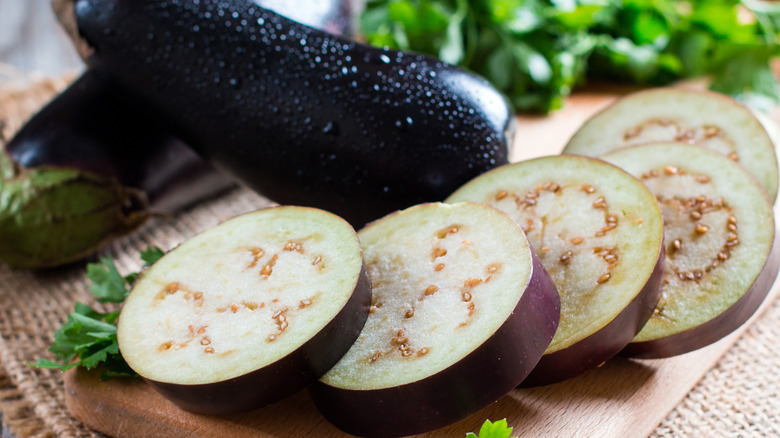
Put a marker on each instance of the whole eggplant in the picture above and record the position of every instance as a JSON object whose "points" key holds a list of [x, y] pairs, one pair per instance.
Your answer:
{"points": [[96, 162], [300, 115]]}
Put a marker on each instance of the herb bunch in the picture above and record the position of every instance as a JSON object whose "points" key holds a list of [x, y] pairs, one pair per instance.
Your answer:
{"points": [[538, 51], [88, 337]]}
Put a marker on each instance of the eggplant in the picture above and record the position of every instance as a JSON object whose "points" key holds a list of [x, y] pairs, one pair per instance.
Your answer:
{"points": [[248, 312], [711, 120], [299, 115], [95, 162], [599, 233], [461, 311], [90, 166]]}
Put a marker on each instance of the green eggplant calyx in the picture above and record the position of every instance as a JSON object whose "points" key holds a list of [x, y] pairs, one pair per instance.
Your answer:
{"points": [[51, 216]]}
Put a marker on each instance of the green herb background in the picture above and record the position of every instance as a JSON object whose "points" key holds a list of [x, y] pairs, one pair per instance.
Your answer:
{"points": [[538, 51]]}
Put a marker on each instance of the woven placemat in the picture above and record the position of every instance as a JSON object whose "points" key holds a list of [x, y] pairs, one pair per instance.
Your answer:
{"points": [[740, 397]]}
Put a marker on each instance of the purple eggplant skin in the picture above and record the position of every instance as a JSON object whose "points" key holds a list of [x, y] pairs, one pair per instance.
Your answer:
{"points": [[716, 328], [599, 347], [500, 363], [91, 166], [297, 114], [96, 126], [284, 377]]}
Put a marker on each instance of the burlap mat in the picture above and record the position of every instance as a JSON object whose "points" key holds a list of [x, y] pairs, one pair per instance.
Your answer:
{"points": [[740, 397]]}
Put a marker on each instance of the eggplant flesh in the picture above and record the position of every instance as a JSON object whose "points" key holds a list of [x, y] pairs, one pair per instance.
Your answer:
{"points": [[297, 114], [248, 312]]}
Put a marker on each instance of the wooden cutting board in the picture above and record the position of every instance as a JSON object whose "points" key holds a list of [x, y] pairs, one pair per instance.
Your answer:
{"points": [[622, 398]]}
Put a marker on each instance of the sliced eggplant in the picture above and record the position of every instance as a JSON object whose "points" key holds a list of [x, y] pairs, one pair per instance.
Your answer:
{"points": [[248, 312], [720, 260], [599, 233], [461, 312], [300, 115], [705, 118]]}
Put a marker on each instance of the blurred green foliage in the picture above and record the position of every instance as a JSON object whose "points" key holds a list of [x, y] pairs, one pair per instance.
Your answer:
{"points": [[538, 51]]}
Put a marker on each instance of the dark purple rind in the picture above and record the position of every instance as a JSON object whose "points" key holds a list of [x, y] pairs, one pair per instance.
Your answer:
{"points": [[284, 377], [485, 375], [720, 326], [599, 347], [299, 115]]}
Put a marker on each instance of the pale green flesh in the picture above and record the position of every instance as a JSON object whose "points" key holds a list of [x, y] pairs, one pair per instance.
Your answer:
{"points": [[707, 119], [598, 272], [239, 296], [415, 330], [705, 199]]}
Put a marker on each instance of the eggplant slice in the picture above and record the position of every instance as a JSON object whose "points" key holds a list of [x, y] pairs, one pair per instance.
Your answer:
{"points": [[714, 121], [720, 261], [461, 312], [599, 233], [248, 312]]}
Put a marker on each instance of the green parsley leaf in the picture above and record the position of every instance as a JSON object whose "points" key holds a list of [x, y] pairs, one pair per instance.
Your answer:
{"points": [[151, 255], [88, 337], [498, 429], [107, 285], [537, 51]]}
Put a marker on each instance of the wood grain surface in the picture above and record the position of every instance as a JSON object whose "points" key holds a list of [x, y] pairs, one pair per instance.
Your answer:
{"points": [[620, 399]]}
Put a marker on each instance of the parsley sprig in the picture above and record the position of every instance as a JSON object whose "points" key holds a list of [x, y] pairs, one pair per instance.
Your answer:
{"points": [[497, 429], [88, 337], [538, 51]]}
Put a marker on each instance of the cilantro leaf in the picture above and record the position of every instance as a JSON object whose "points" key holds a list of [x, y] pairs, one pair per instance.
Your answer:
{"points": [[498, 429], [88, 336]]}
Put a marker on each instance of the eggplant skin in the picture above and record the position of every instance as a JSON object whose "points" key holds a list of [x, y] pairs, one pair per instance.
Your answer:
{"points": [[485, 375], [597, 348], [98, 127], [89, 167], [719, 327], [299, 115], [284, 377]]}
